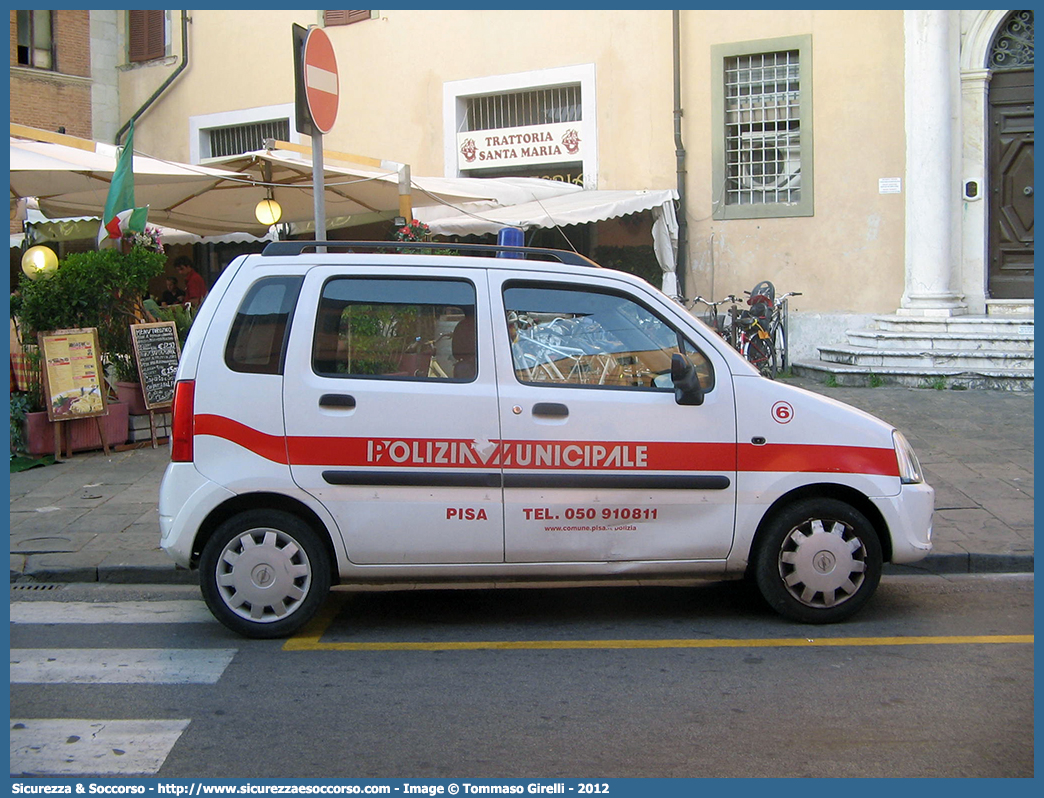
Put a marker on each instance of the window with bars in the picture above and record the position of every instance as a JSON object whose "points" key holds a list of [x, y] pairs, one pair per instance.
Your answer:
{"points": [[35, 39], [237, 139], [763, 117], [522, 108]]}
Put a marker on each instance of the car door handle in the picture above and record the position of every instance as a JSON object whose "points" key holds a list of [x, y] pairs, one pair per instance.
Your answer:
{"points": [[337, 400], [550, 410]]}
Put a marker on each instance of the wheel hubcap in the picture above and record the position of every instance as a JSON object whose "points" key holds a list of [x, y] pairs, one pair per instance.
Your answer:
{"points": [[822, 563], [263, 575]]}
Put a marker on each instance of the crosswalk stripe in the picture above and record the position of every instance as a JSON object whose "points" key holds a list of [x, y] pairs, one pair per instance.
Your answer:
{"points": [[79, 747], [118, 666], [42, 612]]}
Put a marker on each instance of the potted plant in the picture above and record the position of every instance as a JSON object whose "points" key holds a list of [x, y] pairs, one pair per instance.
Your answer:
{"points": [[101, 288], [416, 230], [181, 315]]}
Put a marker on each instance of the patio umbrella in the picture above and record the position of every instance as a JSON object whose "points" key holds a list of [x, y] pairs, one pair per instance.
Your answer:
{"points": [[47, 170], [226, 203]]}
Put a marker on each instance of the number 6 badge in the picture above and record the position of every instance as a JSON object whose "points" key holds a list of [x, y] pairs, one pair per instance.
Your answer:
{"points": [[782, 412]]}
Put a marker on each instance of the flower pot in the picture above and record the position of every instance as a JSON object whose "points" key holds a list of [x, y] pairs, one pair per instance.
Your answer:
{"points": [[130, 393], [39, 432]]}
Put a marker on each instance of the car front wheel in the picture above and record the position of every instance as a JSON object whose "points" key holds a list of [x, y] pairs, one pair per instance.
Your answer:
{"points": [[264, 573], [819, 561]]}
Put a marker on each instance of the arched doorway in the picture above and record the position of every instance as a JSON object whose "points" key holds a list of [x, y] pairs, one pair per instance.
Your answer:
{"points": [[1010, 159]]}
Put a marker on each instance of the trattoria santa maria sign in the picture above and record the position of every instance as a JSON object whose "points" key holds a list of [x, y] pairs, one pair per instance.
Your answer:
{"points": [[519, 146]]}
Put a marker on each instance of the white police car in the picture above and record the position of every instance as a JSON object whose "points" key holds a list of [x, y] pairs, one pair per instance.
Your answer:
{"points": [[372, 415]]}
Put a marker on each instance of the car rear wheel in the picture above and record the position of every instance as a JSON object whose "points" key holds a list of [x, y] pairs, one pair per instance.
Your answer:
{"points": [[264, 573], [819, 561]]}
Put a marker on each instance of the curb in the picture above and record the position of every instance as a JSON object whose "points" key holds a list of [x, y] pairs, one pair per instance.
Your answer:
{"points": [[129, 575], [967, 563], [165, 574]]}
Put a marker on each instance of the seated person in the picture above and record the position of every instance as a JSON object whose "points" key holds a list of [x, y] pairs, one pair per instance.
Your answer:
{"points": [[172, 295]]}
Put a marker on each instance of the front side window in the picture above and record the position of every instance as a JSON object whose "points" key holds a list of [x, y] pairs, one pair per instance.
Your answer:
{"points": [[35, 39], [763, 160], [577, 337], [394, 328]]}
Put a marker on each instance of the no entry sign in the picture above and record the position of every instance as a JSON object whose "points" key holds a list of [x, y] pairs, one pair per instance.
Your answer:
{"points": [[320, 79]]}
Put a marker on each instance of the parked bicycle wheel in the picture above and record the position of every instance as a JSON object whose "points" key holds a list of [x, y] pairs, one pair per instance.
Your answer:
{"points": [[779, 343], [762, 355]]}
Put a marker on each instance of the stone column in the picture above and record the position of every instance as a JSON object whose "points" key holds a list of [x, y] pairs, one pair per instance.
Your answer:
{"points": [[933, 191], [974, 233]]}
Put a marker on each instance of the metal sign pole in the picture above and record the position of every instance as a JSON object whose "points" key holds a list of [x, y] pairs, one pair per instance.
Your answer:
{"points": [[318, 188]]}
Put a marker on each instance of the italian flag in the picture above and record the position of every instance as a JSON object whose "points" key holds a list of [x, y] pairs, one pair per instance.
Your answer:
{"points": [[120, 215], [129, 221]]}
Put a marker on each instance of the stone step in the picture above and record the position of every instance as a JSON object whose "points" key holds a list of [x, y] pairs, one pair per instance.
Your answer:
{"points": [[1021, 326], [927, 358], [1009, 307], [882, 339], [939, 378]]}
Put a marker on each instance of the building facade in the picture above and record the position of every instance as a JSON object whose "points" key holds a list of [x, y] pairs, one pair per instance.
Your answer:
{"points": [[875, 161]]}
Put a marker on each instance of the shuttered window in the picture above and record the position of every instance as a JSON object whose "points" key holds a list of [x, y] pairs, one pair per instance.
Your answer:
{"points": [[344, 17], [146, 35]]}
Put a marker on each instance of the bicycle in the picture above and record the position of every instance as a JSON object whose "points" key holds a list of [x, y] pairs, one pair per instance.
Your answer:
{"points": [[752, 330], [713, 319], [779, 327]]}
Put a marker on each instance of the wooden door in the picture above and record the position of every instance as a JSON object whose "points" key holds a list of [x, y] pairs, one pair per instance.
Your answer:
{"points": [[1011, 182]]}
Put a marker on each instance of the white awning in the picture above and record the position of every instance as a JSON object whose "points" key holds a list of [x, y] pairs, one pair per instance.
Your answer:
{"points": [[580, 207]]}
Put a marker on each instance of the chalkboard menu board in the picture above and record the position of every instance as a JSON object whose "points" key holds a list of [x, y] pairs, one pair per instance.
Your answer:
{"points": [[157, 351]]}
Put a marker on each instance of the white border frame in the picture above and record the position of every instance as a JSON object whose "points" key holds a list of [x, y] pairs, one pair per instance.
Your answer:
{"points": [[454, 94]]}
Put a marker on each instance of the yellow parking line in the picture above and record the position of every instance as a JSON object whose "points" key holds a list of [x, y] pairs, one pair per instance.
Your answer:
{"points": [[310, 639]]}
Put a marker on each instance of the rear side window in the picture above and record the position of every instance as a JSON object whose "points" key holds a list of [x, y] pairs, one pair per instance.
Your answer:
{"points": [[257, 343], [396, 328]]}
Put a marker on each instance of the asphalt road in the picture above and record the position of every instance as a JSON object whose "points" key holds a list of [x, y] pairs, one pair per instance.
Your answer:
{"points": [[934, 678]]}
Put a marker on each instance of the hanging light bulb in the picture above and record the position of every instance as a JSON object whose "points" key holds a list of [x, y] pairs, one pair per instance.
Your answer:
{"points": [[39, 261], [268, 211]]}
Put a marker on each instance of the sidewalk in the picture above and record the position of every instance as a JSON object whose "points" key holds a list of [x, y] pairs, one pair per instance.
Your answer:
{"points": [[93, 518]]}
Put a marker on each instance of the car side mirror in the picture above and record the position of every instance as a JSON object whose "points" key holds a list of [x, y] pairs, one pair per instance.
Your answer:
{"points": [[687, 388]]}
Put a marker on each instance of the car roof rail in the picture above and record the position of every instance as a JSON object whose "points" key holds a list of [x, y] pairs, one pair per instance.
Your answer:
{"points": [[277, 248]]}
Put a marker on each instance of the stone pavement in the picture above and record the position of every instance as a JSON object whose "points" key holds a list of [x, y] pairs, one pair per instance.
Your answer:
{"points": [[93, 518]]}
